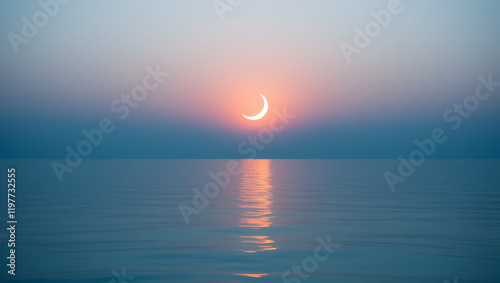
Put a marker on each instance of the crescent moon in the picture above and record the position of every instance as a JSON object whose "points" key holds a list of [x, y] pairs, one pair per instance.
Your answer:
{"points": [[262, 113]]}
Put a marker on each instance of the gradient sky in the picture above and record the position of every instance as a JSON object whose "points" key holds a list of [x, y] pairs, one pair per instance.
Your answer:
{"points": [[428, 58]]}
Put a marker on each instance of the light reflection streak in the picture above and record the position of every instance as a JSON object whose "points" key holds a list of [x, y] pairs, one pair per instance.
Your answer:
{"points": [[256, 198]]}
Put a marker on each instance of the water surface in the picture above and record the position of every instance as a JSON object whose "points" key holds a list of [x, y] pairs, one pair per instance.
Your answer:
{"points": [[113, 214]]}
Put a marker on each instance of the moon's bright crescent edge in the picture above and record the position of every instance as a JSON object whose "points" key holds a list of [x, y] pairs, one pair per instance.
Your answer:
{"points": [[262, 113]]}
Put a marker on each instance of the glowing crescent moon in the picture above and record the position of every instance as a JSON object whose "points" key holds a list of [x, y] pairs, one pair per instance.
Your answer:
{"points": [[262, 113]]}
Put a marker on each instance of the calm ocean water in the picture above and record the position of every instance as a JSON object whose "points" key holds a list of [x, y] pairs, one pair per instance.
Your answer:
{"points": [[119, 221]]}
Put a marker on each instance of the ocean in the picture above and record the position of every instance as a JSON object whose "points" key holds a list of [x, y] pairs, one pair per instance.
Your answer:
{"points": [[273, 221]]}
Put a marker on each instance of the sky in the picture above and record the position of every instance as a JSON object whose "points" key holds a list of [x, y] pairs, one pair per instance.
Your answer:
{"points": [[87, 54]]}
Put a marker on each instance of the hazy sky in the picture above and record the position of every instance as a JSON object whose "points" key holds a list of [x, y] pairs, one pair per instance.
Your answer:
{"points": [[64, 79]]}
